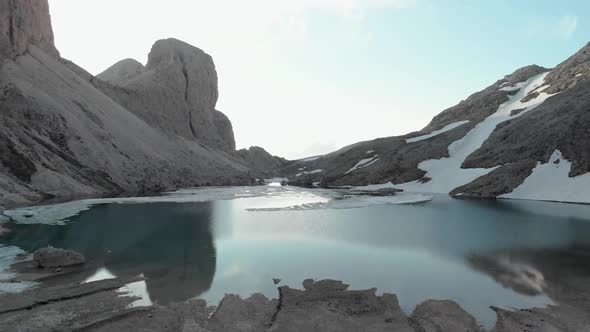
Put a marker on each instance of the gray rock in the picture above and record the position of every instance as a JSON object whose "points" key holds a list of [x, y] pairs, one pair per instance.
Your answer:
{"points": [[260, 160], [276, 281], [443, 315], [249, 315], [328, 306], [24, 23], [61, 136], [180, 79], [54, 257], [570, 72]]}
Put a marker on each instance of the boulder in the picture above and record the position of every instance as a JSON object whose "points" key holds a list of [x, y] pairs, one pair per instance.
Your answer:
{"points": [[54, 257], [443, 315]]}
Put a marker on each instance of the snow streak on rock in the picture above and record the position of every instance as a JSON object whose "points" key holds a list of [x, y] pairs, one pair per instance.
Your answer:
{"points": [[446, 174], [551, 182]]}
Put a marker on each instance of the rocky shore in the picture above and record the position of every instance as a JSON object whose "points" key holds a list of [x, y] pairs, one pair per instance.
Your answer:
{"points": [[326, 305]]}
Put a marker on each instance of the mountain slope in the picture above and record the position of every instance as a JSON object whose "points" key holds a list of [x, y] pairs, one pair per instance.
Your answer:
{"points": [[504, 141], [65, 133]]}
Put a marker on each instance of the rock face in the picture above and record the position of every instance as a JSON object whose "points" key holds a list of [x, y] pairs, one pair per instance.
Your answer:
{"points": [[486, 146], [55, 257], [175, 92], [24, 23], [260, 160], [135, 129], [328, 306], [443, 315]]}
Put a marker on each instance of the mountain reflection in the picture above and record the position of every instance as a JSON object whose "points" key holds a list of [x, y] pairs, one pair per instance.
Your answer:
{"points": [[561, 274], [170, 244]]}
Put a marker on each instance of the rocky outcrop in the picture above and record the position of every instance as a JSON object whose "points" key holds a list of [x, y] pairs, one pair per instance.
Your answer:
{"points": [[135, 129], [260, 160], [55, 257], [175, 92], [325, 305], [24, 23], [482, 104], [122, 72], [443, 315]]}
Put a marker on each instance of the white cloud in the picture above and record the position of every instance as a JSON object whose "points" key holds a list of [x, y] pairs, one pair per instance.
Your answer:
{"points": [[562, 27], [567, 26]]}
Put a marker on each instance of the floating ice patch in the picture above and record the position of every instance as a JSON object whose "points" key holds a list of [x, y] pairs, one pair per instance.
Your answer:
{"points": [[8, 256], [375, 187], [437, 132], [446, 174], [551, 182], [137, 289], [363, 163], [284, 200], [58, 214], [354, 202]]}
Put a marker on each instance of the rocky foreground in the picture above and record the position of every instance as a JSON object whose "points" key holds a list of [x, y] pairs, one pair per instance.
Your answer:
{"points": [[326, 305]]}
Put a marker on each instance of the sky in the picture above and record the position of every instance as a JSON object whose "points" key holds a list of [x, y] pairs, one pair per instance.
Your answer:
{"points": [[306, 77]]}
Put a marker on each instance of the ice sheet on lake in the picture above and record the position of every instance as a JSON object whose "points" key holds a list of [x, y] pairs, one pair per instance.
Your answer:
{"points": [[551, 182], [58, 214], [8, 256], [353, 202], [437, 132]]}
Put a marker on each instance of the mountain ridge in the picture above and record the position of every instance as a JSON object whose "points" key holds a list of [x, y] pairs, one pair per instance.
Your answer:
{"points": [[514, 127], [65, 133]]}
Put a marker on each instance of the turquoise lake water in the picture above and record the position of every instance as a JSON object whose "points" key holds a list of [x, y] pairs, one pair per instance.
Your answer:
{"points": [[478, 253]]}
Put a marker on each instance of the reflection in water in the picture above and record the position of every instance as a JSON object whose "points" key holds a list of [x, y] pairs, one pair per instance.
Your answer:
{"points": [[478, 253], [169, 244], [564, 275]]}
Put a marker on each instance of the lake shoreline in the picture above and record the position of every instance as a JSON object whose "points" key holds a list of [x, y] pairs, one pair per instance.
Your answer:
{"points": [[320, 305]]}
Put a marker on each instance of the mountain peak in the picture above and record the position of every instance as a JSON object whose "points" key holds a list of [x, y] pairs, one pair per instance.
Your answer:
{"points": [[24, 23]]}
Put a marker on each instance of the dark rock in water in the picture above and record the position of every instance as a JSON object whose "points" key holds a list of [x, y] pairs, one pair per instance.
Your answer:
{"points": [[276, 281], [379, 192], [55, 257], [445, 315]]}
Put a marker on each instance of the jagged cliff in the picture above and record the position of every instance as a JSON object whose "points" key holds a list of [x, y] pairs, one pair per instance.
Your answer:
{"points": [[66, 133]]}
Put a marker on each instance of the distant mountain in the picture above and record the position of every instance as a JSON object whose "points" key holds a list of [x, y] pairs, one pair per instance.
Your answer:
{"points": [[526, 136], [66, 133]]}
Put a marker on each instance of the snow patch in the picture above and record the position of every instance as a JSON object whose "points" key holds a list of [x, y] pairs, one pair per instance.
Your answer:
{"points": [[370, 151], [315, 171], [515, 87], [446, 174], [363, 163], [305, 160], [551, 182], [437, 132]]}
